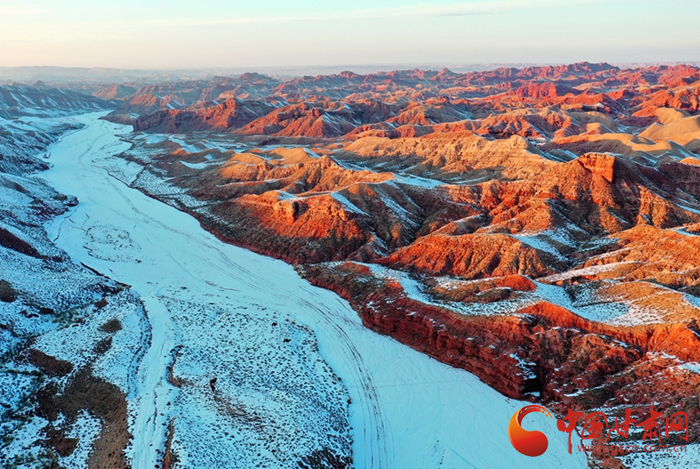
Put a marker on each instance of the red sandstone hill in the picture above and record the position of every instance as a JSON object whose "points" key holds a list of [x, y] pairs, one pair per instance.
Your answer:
{"points": [[303, 120], [178, 95], [539, 225], [431, 112], [230, 114], [543, 90]]}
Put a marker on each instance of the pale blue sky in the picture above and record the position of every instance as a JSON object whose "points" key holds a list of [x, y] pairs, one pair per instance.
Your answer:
{"points": [[260, 33]]}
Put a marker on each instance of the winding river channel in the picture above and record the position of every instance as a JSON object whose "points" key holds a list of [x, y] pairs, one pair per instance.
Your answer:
{"points": [[407, 410]]}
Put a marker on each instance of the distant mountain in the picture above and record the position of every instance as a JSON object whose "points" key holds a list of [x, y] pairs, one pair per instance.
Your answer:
{"points": [[42, 100]]}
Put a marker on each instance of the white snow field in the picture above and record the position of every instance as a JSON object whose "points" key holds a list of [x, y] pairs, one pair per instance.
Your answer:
{"points": [[275, 343]]}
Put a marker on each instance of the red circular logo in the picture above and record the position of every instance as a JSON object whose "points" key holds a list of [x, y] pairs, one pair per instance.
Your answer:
{"points": [[529, 443]]}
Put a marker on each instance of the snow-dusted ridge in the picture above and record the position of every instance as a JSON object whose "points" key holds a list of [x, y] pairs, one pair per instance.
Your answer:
{"points": [[50, 309]]}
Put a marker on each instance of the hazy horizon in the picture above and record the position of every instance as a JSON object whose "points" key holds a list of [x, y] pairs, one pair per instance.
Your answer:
{"points": [[270, 33], [106, 75]]}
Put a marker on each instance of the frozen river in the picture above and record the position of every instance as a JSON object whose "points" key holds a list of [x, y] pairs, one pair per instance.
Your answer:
{"points": [[219, 310]]}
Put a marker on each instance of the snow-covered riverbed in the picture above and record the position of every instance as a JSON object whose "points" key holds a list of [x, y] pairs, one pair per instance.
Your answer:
{"points": [[250, 321]]}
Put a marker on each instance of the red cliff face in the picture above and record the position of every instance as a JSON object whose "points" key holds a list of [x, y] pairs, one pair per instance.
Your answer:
{"points": [[600, 164], [542, 352]]}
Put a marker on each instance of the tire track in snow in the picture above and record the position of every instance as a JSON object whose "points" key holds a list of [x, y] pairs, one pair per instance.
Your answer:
{"points": [[379, 440]]}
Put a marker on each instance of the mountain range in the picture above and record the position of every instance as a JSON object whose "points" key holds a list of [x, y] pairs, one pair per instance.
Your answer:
{"points": [[538, 227]]}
